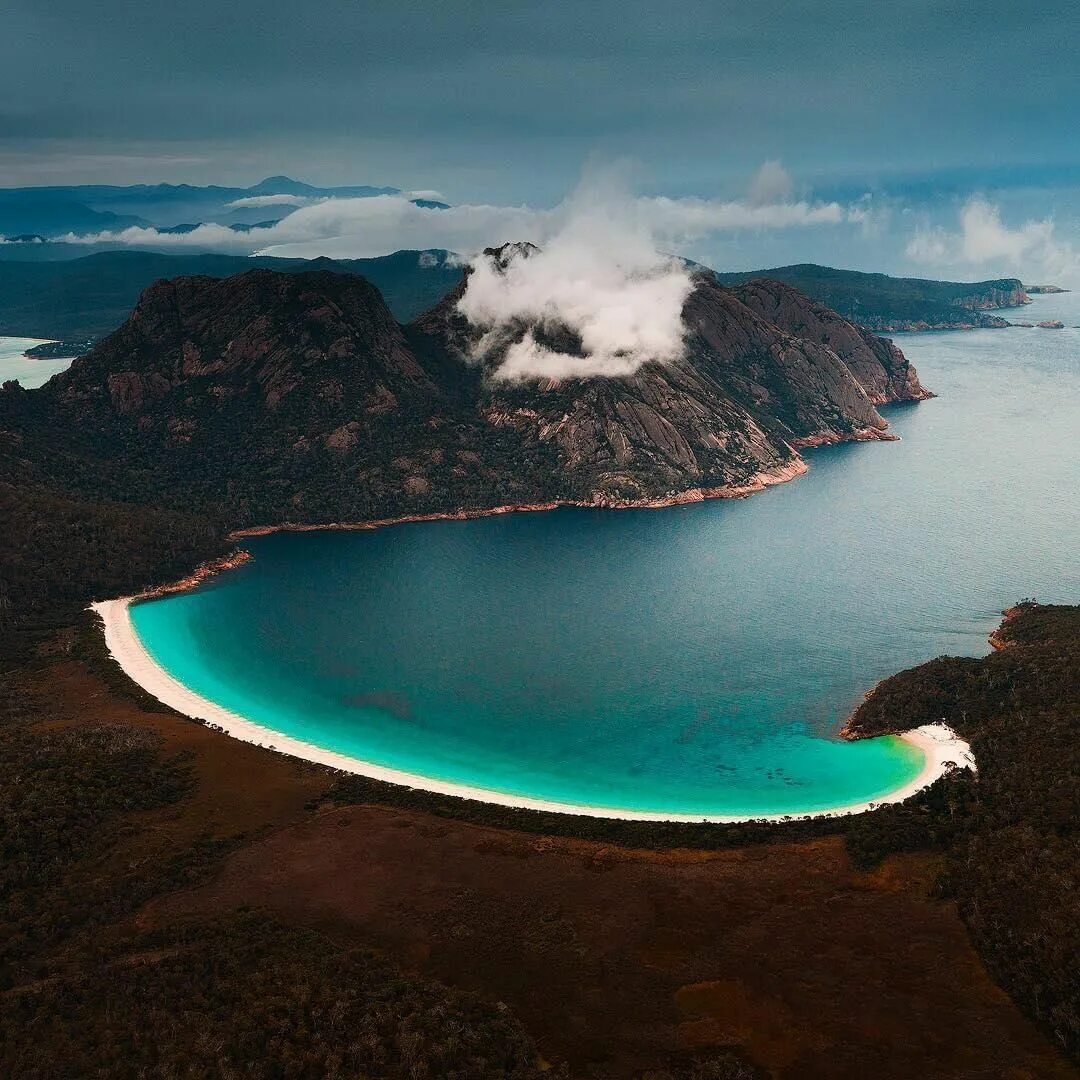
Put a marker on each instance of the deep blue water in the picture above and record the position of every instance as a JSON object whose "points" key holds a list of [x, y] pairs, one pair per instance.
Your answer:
{"points": [[696, 659]]}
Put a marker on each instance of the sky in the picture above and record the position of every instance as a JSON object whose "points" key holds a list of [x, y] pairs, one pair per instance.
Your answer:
{"points": [[926, 108]]}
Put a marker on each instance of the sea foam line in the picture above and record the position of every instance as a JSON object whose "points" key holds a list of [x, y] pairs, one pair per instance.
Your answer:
{"points": [[941, 746]]}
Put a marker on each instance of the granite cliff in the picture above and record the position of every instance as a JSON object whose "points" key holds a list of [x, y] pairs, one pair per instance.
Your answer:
{"points": [[271, 397]]}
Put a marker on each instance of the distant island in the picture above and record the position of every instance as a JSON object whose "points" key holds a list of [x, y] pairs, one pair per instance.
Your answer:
{"points": [[887, 304], [58, 350], [1039, 290]]}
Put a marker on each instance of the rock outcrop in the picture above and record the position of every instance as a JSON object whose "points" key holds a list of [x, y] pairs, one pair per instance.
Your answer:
{"points": [[878, 365]]}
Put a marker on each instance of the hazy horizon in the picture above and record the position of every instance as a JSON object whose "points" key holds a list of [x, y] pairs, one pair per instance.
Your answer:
{"points": [[939, 136]]}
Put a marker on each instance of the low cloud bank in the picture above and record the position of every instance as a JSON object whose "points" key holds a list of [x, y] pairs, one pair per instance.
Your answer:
{"points": [[254, 202], [985, 243], [364, 227]]}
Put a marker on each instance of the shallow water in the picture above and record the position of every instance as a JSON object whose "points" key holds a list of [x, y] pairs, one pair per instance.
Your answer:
{"points": [[30, 373], [696, 659]]}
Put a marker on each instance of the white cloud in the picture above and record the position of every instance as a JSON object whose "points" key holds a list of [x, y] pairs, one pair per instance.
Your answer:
{"points": [[599, 276], [202, 238], [772, 183], [985, 243], [258, 201]]}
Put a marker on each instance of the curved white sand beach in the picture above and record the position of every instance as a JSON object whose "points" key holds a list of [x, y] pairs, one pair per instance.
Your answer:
{"points": [[939, 743]]}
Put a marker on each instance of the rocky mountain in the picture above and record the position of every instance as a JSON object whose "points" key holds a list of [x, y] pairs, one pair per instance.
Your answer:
{"points": [[876, 362], [270, 397], [90, 296], [731, 412]]}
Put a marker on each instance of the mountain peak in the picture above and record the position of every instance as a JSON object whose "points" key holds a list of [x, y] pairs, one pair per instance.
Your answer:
{"points": [[281, 185], [507, 253]]}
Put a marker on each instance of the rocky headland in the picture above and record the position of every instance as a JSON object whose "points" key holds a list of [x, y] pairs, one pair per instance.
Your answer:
{"points": [[272, 398]]}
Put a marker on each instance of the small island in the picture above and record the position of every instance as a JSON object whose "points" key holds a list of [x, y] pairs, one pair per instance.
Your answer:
{"points": [[58, 350], [1051, 324], [1043, 290]]}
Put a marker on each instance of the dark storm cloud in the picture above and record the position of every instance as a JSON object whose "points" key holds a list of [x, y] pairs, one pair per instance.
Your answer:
{"points": [[506, 100]]}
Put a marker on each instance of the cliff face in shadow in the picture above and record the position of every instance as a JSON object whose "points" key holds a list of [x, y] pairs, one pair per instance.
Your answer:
{"points": [[879, 366]]}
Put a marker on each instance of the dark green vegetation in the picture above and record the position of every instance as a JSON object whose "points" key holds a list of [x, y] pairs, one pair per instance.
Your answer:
{"points": [[60, 550], [58, 350], [1014, 836], [245, 996], [65, 794], [882, 303], [90, 296]]}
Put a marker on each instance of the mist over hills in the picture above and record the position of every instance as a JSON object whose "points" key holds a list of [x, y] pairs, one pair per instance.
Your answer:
{"points": [[55, 211]]}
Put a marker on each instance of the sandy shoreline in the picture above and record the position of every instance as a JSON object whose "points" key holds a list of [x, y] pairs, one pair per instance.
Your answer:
{"points": [[938, 743]]}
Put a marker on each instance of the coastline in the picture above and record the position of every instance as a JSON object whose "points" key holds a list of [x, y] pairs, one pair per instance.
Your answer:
{"points": [[940, 746], [999, 638], [757, 483]]}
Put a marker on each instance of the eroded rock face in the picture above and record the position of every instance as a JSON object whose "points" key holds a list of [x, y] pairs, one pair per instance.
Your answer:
{"points": [[763, 372], [260, 334], [298, 397], [876, 363]]}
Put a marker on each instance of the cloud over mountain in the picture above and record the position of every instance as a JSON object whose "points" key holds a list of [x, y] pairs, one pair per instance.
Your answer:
{"points": [[598, 277]]}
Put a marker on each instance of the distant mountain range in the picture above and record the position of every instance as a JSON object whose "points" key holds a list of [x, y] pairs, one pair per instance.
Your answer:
{"points": [[89, 297], [92, 208]]}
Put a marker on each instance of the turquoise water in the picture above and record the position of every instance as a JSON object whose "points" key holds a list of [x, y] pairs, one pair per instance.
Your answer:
{"points": [[30, 373], [697, 659]]}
